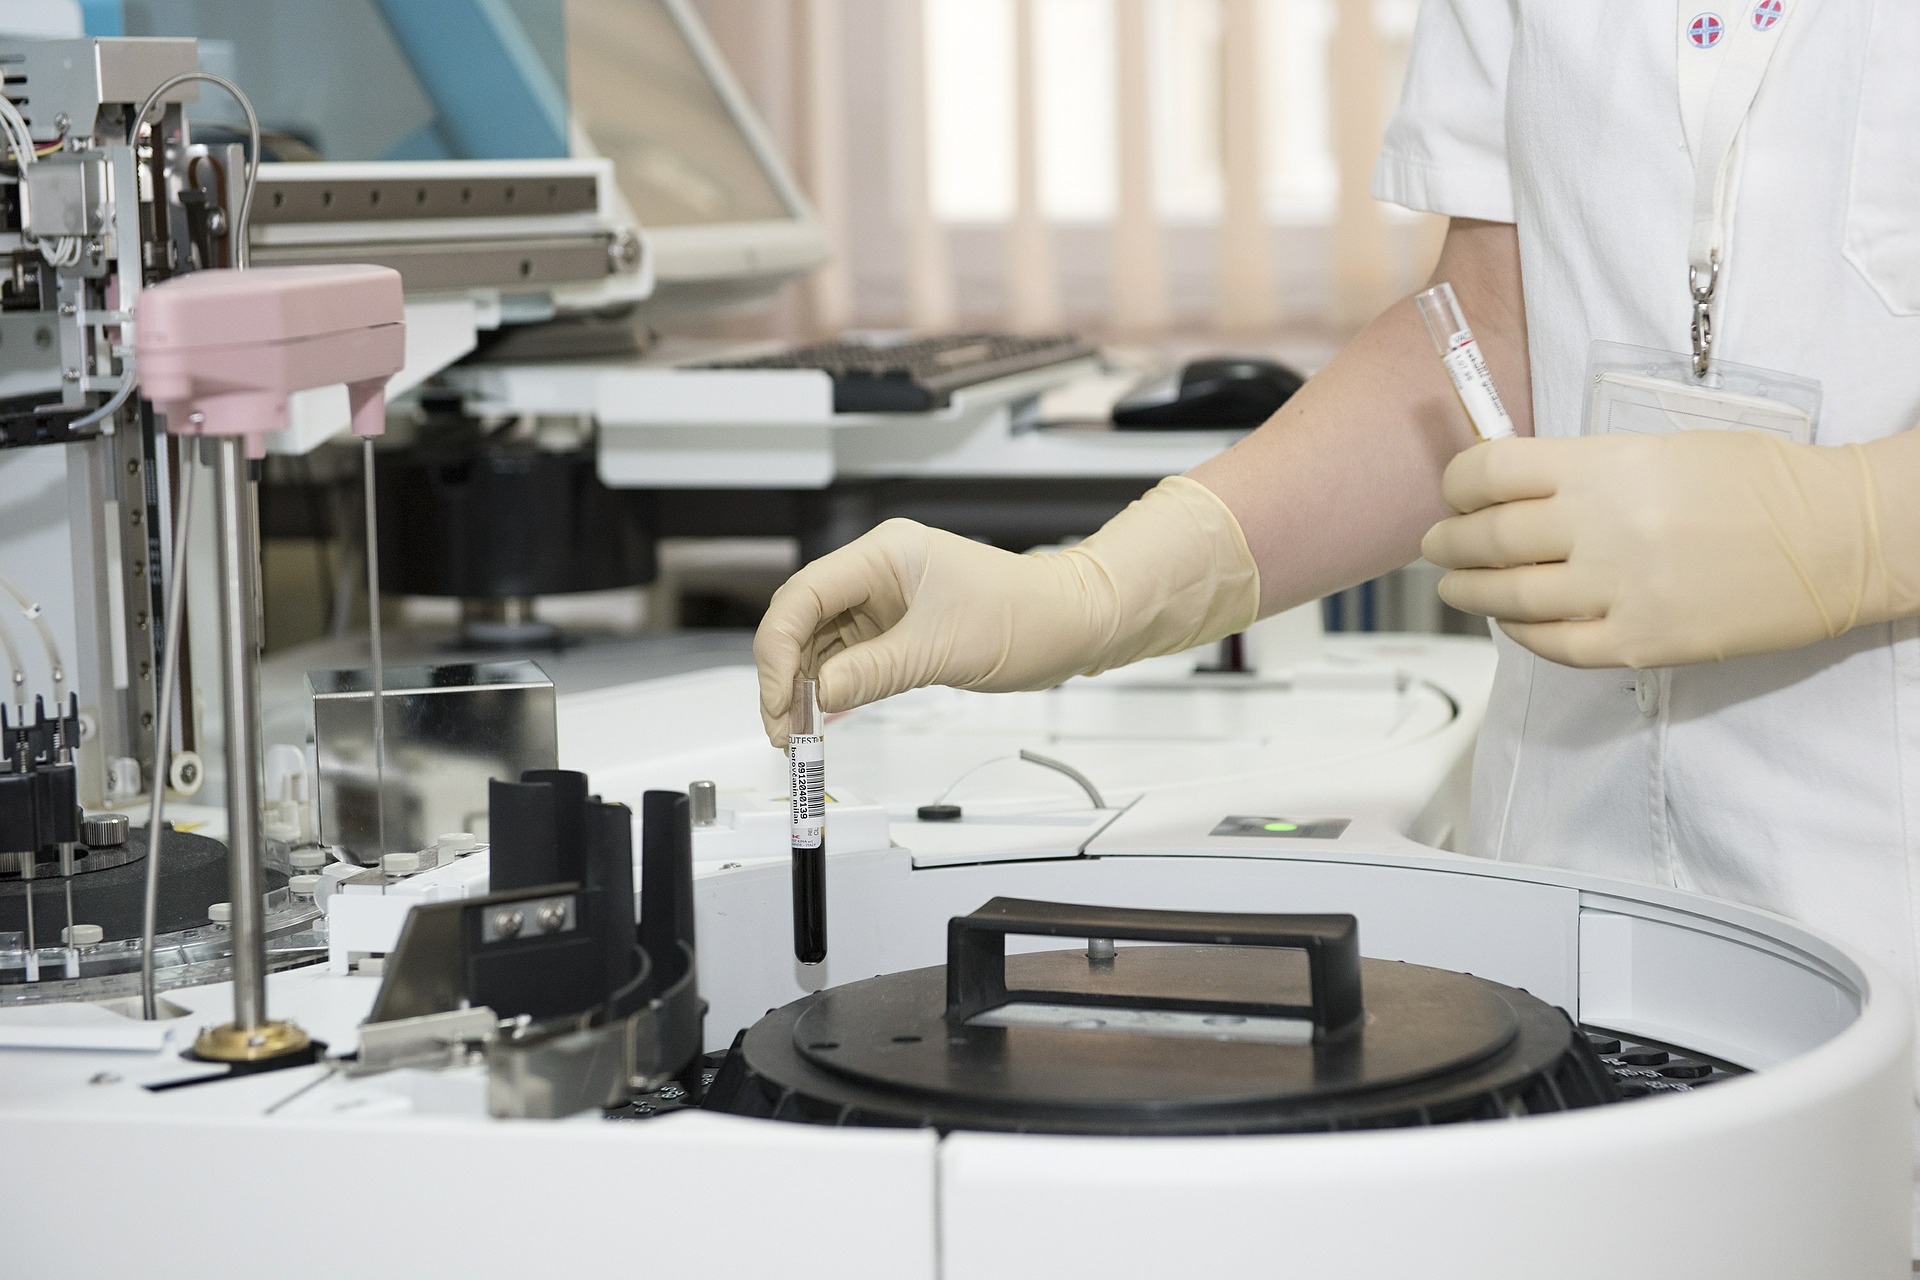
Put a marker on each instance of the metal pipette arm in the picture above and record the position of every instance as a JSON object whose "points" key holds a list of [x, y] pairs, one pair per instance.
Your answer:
{"points": [[239, 682], [201, 341], [376, 659]]}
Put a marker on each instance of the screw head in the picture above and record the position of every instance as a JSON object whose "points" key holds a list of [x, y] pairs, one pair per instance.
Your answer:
{"points": [[623, 252], [552, 915], [508, 921]]}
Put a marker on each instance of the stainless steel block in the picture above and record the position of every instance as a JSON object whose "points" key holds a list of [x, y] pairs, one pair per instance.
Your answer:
{"points": [[448, 730], [67, 195]]}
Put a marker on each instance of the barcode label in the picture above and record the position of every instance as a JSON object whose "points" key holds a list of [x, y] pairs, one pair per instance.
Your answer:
{"points": [[807, 784]]}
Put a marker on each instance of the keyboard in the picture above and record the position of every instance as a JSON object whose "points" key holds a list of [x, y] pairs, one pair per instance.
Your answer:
{"points": [[912, 374]]}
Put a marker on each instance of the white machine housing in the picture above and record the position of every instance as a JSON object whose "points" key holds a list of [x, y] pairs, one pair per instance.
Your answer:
{"points": [[1798, 1169]]}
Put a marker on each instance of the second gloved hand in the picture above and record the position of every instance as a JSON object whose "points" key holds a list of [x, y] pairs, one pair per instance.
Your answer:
{"points": [[906, 606], [1656, 551]]}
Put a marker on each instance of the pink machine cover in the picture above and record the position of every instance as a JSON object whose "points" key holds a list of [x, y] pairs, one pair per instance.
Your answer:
{"points": [[219, 352]]}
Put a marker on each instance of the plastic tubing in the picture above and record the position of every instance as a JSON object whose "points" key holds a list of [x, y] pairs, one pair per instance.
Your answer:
{"points": [[38, 617], [162, 727]]}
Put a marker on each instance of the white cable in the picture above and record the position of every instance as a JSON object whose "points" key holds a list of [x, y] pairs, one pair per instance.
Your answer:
{"points": [[18, 689], [942, 797], [127, 383], [241, 251], [38, 617], [18, 139], [20, 143], [1031, 757]]}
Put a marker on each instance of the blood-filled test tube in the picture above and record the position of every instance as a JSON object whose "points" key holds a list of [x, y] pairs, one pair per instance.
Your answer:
{"points": [[1472, 380], [807, 778]]}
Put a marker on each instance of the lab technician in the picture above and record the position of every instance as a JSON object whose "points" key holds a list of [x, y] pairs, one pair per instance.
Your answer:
{"points": [[1709, 668]]}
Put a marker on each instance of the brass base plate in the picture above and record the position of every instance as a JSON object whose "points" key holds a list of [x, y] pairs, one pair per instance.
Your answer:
{"points": [[229, 1043]]}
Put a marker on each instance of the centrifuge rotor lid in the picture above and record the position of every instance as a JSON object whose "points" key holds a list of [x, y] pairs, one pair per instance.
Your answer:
{"points": [[1249, 1023]]}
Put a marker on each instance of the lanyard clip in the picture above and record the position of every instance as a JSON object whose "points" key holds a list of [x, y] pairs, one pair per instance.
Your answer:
{"points": [[1703, 311]]}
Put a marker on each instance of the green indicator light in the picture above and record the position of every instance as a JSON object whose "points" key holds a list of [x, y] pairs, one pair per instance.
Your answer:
{"points": [[1281, 826]]}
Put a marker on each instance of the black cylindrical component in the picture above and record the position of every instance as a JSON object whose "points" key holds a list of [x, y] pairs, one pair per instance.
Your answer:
{"points": [[521, 828], [19, 828], [610, 873], [56, 804], [476, 519], [810, 903], [666, 881], [569, 820]]}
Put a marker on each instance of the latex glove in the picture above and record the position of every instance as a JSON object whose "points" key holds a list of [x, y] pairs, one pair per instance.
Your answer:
{"points": [[1655, 551], [906, 606]]}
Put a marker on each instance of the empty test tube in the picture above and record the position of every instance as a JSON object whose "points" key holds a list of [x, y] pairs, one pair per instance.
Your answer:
{"points": [[1472, 380]]}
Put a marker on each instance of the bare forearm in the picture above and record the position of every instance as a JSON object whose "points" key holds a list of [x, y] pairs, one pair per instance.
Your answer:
{"points": [[1341, 484]]}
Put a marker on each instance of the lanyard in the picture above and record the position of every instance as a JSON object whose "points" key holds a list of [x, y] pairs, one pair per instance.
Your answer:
{"points": [[1722, 62]]}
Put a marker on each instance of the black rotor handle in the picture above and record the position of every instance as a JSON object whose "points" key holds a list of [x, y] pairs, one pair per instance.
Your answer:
{"points": [[977, 957]]}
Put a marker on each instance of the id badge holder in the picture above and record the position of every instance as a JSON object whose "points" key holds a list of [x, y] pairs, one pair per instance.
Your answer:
{"points": [[1642, 391]]}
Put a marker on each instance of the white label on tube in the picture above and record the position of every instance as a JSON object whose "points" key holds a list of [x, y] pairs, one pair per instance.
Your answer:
{"points": [[807, 781], [1474, 381]]}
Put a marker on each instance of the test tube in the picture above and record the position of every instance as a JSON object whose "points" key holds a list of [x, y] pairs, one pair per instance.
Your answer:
{"points": [[1472, 380], [807, 778]]}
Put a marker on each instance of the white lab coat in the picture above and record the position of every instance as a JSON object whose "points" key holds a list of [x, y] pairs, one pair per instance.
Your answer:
{"points": [[1789, 781]]}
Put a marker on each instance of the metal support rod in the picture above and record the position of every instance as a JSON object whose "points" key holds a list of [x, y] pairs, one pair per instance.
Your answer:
{"points": [[376, 660], [238, 549], [62, 754], [33, 943]]}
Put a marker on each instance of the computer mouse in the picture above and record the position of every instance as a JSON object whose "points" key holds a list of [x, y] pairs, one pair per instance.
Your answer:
{"points": [[1222, 391]]}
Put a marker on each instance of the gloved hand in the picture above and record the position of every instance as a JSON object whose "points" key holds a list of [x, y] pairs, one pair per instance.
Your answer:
{"points": [[906, 606], [1655, 551]]}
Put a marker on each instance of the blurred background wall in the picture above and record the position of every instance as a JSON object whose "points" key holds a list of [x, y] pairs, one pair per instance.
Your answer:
{"points": [[1127, 168]]}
